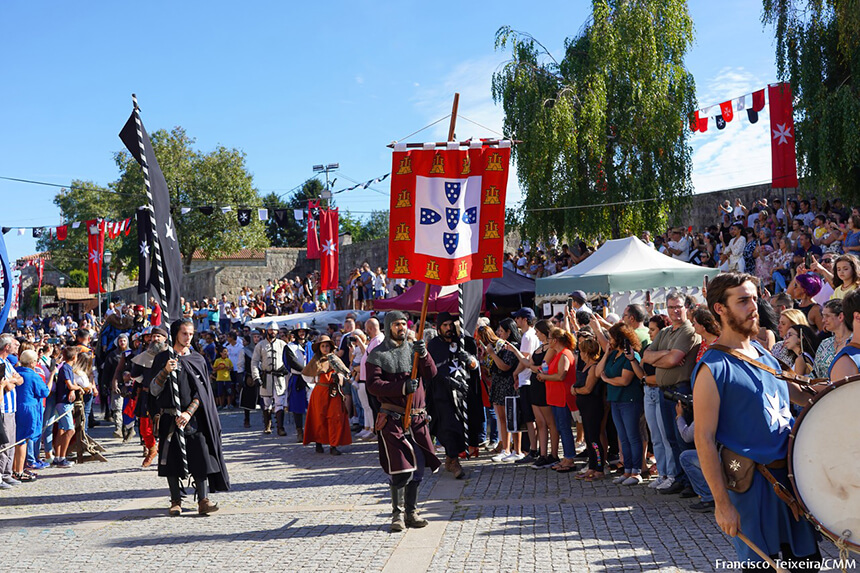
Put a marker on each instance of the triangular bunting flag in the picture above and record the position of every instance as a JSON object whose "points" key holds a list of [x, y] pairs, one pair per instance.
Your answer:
{"points": [[263, 214], [62, 232], [207, 210], [243, 216]]}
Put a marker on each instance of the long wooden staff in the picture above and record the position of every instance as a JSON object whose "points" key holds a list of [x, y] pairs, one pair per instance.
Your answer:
{"points": [[760, 553], [407, 416]]}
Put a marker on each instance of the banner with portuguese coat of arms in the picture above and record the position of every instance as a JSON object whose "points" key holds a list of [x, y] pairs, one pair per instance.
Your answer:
{"points": [[447, 221]]}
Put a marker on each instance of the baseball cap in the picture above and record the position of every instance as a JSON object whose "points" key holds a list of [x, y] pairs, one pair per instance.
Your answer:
{"points": [[578, 296], [524, 312]]}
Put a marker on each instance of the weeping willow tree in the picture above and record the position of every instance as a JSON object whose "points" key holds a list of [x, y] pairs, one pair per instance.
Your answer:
{"points": [[605, 125], [818, 52]]}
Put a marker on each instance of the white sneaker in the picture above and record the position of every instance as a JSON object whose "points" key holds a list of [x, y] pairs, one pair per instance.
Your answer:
{"points": [[635, 479], [656, 482], [500, 457], [513, 457], [667, 483]]}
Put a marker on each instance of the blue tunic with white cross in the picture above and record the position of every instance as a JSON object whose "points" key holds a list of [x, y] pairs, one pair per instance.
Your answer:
{"points": [[755, 421]]}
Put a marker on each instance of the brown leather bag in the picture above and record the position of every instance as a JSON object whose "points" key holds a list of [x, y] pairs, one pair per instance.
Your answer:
{"points": [[739, 470]]}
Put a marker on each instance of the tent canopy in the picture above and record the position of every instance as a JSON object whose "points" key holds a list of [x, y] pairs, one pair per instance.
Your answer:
{"points": [[314, 319], [442, 299], [624, 265]]}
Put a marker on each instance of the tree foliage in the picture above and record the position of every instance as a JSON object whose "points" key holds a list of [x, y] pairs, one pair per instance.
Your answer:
{"points": [[606, 124], [83, 201], [818, 52], [295, 234], [374, 227]]}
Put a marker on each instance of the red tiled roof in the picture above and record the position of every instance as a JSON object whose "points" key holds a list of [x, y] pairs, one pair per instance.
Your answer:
{"points": [[242, 254], [46, 255]]}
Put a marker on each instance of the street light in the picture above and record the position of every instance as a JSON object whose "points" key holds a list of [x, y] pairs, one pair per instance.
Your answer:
{"points": [[326, 194]]}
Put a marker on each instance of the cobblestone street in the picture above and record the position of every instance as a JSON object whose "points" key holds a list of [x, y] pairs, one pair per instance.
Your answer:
{"points": [[295, 510]]}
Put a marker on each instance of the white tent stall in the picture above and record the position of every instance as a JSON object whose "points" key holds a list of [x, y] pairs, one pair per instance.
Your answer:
{"points": [[624, 270]]}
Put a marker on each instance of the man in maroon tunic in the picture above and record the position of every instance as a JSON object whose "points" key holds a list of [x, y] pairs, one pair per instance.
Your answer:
{"points": [[403, 454]]}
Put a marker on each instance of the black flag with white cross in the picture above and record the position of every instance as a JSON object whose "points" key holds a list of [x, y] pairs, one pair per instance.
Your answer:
{"points": [[243, 216], [144, 253], [164, 233]]}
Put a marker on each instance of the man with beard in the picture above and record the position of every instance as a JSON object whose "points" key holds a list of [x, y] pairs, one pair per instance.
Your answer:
{"points": [[673, 353], [269, 371], [403, 453], [145, 408], [296, 355], [746, 408], [190, 414], [447, 391]]}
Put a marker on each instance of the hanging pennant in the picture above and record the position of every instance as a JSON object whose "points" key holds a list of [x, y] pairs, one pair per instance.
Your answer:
{"points": [[758, 100], [37, 232], [721, 123], [243, 216], [62, 232], [741, 103], [76, 224], [703, 122], [263, 214], [726, 112], [226, 210], [184, 210], [298, 215], [207, 210], [281, 218], [6, 229]]}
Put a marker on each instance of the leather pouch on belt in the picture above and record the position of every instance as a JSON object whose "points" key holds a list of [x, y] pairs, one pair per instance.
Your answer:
{"points": [[739, 470], [381, 420]]}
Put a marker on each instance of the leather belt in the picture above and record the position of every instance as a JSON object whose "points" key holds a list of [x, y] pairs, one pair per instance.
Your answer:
{"points": [[651, 385], [777, 464], [393, 408]]}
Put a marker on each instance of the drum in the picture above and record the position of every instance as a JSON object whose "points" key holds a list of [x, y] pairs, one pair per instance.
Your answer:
{"points": [[824, 461]]}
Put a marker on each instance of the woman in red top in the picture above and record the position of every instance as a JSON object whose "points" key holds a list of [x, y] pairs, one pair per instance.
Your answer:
{"points": [[559, 377], [707, 327]]}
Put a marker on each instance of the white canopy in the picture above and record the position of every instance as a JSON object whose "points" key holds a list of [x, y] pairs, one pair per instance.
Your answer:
{"points": [[314, 319], [623, 266]]}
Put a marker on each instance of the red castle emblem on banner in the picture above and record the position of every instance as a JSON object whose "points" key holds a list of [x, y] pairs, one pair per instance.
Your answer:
{"points": [[447, 213]]}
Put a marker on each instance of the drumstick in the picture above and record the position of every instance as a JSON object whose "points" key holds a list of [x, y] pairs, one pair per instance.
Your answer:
{"points": [[760, 553]]}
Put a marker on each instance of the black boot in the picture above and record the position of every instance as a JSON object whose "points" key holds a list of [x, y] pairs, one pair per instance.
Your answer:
{"points": [[411, 497], [279, 416], [267, 422], [247, 422], [397, 497]]}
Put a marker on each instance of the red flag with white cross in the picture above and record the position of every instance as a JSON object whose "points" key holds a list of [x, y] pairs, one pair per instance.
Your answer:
{"points": [[328, 249], [95, 254], [783, 154], [447, 220]]}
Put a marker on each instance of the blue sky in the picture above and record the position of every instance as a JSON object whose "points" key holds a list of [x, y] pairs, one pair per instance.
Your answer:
{"points": [[297, 84]]}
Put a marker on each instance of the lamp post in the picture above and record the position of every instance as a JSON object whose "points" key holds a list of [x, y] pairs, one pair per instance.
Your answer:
{"points": [[108, 257], [326, 194], [62, 281]]}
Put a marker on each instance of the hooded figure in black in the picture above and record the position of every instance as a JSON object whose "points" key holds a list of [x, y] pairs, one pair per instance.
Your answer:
{"points": [[196, 418], [447, 392]]}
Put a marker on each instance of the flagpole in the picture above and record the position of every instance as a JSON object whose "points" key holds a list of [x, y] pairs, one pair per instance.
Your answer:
{"points": [[159, 267], [407, 416]]}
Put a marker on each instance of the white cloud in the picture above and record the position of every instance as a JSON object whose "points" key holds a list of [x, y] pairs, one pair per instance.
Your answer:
{"points": [[359, 80], [738, 155]]}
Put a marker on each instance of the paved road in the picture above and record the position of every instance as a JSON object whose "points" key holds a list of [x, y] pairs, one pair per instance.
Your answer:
{"points": [[296, 510]]}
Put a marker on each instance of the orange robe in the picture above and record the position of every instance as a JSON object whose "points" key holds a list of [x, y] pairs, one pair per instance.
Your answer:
{"points": [[327, 421]]}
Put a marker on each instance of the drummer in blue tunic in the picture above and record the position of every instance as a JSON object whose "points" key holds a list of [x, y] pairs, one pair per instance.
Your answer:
{"points": [[746, 409]]}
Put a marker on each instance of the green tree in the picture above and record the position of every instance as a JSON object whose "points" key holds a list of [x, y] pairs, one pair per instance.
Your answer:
{"points": [[83, 201], [219, 178], [295, 234], [818, 52], [375, 226], [606, 124]]}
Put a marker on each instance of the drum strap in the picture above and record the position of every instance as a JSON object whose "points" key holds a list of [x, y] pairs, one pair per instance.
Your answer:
{"points": [[782, 492], [788, 376]]}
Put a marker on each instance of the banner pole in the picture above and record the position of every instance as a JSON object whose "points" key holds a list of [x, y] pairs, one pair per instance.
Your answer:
{"points": [[407, 416]]}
